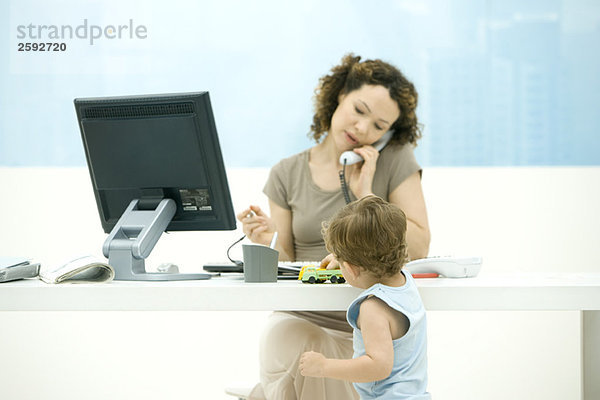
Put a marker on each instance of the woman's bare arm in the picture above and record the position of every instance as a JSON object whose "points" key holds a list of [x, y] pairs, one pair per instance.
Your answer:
{"points": [[285, 238], [409, 197]]}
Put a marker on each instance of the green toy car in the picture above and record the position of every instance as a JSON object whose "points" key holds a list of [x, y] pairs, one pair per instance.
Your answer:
{"points": [[311, 274]]}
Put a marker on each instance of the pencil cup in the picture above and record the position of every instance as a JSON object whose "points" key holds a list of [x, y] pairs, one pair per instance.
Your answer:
{"points": [[260, 263]]}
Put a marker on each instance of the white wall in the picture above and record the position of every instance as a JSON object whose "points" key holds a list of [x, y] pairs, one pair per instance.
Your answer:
{"points": [[518, 219]]}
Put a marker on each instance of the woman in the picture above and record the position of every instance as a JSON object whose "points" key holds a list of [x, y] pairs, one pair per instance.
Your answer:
{"points": [[354, 106]]}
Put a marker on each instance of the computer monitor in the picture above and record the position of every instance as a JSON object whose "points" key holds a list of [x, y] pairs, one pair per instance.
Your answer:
{"points": [[155, 165]]}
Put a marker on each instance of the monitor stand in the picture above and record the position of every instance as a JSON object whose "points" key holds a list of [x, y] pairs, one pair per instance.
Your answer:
{"points": [[133, 238]]}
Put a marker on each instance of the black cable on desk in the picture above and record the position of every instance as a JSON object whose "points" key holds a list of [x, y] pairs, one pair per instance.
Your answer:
{"points": [[236, 262]]}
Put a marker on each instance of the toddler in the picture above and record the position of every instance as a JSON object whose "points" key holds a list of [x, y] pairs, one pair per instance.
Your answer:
{"points": [[368, 238]]}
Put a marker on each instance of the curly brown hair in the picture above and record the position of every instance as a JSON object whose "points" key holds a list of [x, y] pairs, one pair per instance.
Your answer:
{"points": [[350, 75], [369, 233]]}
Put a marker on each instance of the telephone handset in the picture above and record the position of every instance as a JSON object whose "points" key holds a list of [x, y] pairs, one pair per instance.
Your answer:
{"points": [[350, 157]]}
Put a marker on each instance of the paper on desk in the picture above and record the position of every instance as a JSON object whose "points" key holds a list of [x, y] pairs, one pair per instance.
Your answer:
{"points": [[85, 269]]}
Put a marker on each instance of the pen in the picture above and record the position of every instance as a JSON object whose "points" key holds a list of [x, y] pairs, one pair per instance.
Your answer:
{"points": [[273, 241]]}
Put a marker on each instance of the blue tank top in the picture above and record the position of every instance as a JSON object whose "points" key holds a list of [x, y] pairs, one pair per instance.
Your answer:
{"points": [[408, 379]]}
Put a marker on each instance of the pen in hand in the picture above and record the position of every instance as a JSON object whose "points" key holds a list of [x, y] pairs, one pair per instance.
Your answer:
{"points": [[273, 241]]}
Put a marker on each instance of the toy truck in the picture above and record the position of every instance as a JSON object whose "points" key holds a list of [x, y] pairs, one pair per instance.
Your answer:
{"points": [[312, 274]]}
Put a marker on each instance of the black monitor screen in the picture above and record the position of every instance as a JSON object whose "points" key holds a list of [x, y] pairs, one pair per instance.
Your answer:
{"points": [[152, 147]]}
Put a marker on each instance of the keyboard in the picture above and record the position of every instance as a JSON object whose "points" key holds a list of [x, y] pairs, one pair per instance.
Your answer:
{"points": [[286, 269]]}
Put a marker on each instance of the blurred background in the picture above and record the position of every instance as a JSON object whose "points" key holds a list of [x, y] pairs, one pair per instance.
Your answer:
{"points": [[501, 82]]}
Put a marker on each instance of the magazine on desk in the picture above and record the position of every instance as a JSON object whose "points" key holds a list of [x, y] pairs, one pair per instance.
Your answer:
{"points": [[85, 269]]}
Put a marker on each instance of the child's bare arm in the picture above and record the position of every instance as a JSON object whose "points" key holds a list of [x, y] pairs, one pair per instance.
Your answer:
{"points": [[375, 365]]}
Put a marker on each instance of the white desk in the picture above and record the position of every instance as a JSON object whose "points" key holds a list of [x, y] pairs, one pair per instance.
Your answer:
{"points": [[557, 292], [552, 292]]}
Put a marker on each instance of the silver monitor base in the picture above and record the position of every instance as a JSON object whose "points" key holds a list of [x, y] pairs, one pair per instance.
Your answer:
{"points": [[133, 238]]}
